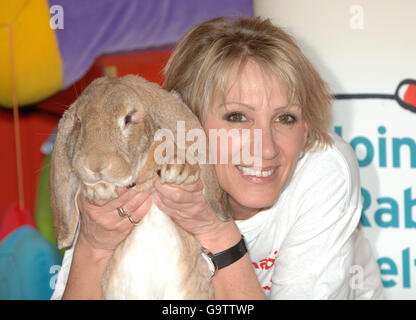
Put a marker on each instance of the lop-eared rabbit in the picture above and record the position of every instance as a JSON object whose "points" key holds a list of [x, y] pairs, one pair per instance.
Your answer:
{"points": [[106, 140]]}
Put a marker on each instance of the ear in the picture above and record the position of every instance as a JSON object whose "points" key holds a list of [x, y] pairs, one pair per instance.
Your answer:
{"points": [[166, 109], [63, 182]]}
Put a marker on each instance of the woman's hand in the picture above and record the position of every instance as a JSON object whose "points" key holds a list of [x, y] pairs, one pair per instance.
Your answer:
{"points": [[101, 226], [101, 231], [187, 205]]}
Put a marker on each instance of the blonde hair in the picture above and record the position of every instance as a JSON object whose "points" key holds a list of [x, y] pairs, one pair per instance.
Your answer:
{"points": [[199, 66]]}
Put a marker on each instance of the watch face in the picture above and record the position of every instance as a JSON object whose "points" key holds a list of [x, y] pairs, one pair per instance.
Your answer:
{"points": [[211, 266]]}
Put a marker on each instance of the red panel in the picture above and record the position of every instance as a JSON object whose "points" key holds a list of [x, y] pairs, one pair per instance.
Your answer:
{"points": [[14, 218], [35, 127], [146, 64]]}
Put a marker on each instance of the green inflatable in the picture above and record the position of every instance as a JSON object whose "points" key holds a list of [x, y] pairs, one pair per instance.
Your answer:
{"points": [[43, 212]]}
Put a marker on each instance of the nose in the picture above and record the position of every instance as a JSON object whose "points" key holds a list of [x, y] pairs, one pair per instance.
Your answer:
{"points": [[95, 166], [269, 144], [91, 167]]}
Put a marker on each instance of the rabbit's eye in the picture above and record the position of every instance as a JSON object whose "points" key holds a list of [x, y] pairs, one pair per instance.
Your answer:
{"points": [[128, 119]]}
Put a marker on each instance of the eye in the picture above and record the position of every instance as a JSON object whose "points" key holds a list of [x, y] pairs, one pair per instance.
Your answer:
{"points": [[287, 118], [128, 119], [234, 117]]}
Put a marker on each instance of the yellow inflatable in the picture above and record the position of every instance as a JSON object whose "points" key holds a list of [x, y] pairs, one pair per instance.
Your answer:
{"points": [[27, 39]]}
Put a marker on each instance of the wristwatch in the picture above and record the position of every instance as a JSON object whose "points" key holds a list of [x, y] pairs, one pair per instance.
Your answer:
{"points": [[224, 258]]}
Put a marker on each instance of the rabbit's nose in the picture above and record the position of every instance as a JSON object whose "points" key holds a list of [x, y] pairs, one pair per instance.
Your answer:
{"points": [[94, 173], [108, 167], [97, 171], [96, 167], [91, 167]]}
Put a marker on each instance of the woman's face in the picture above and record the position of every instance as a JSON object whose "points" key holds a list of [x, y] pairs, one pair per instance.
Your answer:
{"points": [[257, 101]]}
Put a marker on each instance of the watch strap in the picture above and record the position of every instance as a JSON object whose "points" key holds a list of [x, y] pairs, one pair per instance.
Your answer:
{"points": [[229, 256]]}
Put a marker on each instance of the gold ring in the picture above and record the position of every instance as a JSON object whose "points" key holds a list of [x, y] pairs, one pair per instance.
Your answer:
{"points": [[122, 213], [132, 220]]}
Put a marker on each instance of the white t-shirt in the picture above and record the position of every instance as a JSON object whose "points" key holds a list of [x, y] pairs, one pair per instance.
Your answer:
{"points": [[308, 244]]}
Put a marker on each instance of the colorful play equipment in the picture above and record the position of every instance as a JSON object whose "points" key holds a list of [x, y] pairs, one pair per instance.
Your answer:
{"points": [[28, 265], [48, 48]]}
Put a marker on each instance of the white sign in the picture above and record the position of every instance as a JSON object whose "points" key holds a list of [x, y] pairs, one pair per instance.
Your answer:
{"points": [[366, 51]]}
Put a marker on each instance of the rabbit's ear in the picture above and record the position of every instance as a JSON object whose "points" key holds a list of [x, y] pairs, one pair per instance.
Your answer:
{"points": [[166, 109], [63, 182], [171, 109]]}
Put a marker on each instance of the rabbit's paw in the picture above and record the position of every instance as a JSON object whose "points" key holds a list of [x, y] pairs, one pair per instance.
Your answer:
{"points": [[179, 173], [99, 191]]}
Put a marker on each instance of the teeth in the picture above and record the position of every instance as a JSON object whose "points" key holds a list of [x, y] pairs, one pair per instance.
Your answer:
{"points": [[256, 172]]}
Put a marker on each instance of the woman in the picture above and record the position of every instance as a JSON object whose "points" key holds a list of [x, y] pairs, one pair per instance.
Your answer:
{"points": [[299, 211]]}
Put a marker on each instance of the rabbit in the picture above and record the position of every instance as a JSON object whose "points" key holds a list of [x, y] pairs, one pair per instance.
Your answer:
{"points": [[105, 140]]}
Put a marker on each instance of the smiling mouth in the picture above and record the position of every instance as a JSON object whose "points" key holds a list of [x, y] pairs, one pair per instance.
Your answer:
{"points": [[257, 172]]}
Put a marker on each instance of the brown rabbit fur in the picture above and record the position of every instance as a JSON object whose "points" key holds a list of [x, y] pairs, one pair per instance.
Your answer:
{"points": [[105, 140]]}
